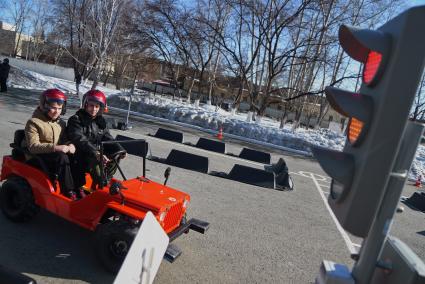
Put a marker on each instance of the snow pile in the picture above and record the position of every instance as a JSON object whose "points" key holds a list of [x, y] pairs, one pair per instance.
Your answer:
{"points": [[206, 116], [418, 165]]}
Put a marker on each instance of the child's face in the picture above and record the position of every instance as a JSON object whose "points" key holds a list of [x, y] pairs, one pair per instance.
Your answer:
{"points": [[55, 110], [92, 108]]}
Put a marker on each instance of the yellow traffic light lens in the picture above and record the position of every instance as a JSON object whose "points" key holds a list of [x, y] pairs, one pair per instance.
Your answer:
{"points": [[355, 127], [371, 66]]}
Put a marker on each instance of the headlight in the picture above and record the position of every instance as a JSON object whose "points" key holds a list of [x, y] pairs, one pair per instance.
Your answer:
{"points": [[185, 203], [162, 216]]}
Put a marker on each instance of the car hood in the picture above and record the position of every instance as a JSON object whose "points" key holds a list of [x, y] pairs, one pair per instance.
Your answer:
{"points": [[144, 192]]}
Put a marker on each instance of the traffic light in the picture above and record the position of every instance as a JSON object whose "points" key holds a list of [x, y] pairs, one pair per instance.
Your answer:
{"points": [[393, 59]]}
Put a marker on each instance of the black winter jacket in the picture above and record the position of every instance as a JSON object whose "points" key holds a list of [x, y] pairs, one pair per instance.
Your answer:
{"points": [[87, 133], [4, 71]]}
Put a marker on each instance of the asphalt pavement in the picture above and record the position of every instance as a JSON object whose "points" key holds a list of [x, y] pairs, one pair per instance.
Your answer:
{"points": [[256, 234]]}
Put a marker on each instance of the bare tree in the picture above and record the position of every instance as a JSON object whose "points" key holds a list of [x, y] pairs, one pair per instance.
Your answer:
{"points": [[305, 79], [276, 55], [103, 18], [129, 51], [280, 52], [418, 110], [160, 22], [239, 52], [69, 32], [217, 16], [19, 10], [40, 24]]}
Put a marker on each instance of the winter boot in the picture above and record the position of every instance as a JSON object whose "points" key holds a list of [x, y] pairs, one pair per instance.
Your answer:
{"points": [[71, 194], [81, 193]]}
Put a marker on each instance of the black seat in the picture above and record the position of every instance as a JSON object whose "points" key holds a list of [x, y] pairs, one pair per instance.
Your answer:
{"points": [[22, 154], [18, 152], [19, 137]]}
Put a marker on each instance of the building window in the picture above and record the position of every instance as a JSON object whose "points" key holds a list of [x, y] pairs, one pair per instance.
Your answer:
{"points": [[331, 118]]}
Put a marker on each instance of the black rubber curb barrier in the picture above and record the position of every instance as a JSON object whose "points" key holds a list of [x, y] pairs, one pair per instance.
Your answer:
{"points": [[111, 123], [417, 201], [121, 125], [185, 160], [283, 179], [274, 176], [252, 176], [284, 182], [188, 161], [255, 155], [211, 145], [169, 135], [131, 148]]}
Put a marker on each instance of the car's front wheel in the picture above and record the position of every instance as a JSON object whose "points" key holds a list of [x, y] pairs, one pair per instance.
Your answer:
{"points": [[113, 241], [17, 200]]}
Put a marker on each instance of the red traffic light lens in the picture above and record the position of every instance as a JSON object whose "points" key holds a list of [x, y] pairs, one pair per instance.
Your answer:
{"points": [[371, 66]]}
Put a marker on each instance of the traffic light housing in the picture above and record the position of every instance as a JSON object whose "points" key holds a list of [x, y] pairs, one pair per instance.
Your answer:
{"points": [[393, 61]]}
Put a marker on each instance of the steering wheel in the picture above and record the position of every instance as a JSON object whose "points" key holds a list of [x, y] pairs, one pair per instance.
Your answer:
{"points": [[118, 153]]}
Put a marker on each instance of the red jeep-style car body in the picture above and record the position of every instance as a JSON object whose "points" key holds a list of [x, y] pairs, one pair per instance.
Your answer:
{"points": [[113, 213]]}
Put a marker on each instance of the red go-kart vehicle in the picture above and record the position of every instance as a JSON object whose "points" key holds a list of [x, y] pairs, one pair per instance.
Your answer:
{"points": [[114, 210]]}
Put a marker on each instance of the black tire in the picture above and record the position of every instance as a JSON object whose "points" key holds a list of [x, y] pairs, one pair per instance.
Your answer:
{"points": [[113, 240], [17, 201]]}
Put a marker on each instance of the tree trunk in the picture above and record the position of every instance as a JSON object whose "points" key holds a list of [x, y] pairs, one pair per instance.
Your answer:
{"points": [[189, 91], [283, 120]]}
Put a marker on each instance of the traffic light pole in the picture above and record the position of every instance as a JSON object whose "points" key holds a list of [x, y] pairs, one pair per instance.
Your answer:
{"points": [[373, 244]]}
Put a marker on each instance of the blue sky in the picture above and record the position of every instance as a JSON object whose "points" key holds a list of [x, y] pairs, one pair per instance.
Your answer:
{"points": [[417, 2]]}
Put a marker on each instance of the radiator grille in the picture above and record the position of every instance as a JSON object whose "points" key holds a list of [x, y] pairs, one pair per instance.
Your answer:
{"points": [[173, 217]]}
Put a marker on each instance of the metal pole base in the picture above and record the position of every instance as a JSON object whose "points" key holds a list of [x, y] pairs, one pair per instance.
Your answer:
{"points": [[334, 273]]}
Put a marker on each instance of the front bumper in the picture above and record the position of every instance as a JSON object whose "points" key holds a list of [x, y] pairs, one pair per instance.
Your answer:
{"points": [[173, 252]]}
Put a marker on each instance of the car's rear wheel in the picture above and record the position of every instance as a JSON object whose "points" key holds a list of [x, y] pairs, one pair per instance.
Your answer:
{"points": [[17, 201], [113, 241]]}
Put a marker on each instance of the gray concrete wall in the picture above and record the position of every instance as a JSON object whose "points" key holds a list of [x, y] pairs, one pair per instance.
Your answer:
{"points": [[7, 45], [43, 68]]}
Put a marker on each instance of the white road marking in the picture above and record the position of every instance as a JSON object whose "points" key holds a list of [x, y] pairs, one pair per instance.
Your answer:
{"points": [[324, 186], [317, 176], [350, 245]]}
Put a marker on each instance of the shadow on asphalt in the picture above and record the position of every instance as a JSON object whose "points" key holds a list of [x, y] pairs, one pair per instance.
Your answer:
{"points": [[49, 246]]}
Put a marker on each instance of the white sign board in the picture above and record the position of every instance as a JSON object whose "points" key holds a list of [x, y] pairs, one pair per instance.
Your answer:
{"points": [[145, 255]]}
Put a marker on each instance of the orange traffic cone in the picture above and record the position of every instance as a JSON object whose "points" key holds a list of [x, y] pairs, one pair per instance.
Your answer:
{"points": [[220, 133], [418, 182]]}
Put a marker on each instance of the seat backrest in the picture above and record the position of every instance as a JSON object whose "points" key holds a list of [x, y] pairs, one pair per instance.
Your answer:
{"points": [[20, 152], [18, 138]]}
